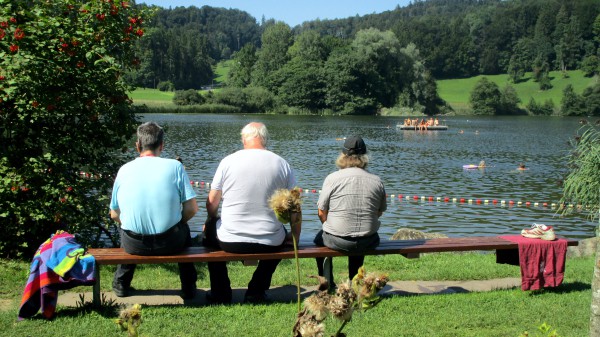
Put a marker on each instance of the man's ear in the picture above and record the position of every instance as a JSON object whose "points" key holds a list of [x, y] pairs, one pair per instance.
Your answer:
{"points": [[138, 146]]}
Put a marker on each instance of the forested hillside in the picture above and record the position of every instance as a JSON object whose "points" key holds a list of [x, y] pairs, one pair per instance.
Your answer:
{"points": [[388, 60], [457, 38], [461, 38]]}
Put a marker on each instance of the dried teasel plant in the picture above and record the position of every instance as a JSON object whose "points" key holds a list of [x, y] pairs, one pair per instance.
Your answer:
{"points": [[358, 294], [284, 202]]}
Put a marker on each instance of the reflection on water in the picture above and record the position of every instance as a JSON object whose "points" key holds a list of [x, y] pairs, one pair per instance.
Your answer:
{"points": [[411, 163]]}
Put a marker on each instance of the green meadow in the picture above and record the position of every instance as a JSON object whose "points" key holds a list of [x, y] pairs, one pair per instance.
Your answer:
{"points": [[457, 91], [495, 313]]}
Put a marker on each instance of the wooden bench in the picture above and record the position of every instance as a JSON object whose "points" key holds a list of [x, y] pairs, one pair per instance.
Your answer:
{"points": [[407, 248]]}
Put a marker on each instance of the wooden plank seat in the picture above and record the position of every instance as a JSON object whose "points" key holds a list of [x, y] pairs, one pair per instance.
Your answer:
{"points": [[407, 248]]}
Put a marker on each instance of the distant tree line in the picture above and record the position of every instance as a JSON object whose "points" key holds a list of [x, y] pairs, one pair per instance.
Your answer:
{"points": [[464, 38], [374, 62]]}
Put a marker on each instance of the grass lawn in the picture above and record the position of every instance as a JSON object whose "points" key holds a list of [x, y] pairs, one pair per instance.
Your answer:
{"points": [[221, 71], [494, 313], [457, 91]]}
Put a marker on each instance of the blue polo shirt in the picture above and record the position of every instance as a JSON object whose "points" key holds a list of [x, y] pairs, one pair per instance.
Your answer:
{"points": [[149, 192]]}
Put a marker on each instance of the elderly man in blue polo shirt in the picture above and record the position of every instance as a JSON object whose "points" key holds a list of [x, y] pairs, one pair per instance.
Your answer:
{"points": [[152, 199]]}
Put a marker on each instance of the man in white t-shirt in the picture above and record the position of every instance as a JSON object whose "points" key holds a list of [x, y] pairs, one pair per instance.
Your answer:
{"points": [[244, 182]]}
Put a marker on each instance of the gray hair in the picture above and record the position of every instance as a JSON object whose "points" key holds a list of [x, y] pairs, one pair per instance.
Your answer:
{"points": [[150, 136], [354, 160], [255, 130]]}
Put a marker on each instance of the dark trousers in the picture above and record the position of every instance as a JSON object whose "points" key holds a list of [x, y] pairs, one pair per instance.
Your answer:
{"points": [[345, 244], [354, 262], [220, 284], [170, 242]]}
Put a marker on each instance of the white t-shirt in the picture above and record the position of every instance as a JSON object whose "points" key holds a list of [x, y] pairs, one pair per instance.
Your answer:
{"points": [[247, 179]]}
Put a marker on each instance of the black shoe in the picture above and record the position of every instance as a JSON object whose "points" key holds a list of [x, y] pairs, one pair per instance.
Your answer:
{"points": [[211, 299], [257, 298], [188, 293], [122, 291]]}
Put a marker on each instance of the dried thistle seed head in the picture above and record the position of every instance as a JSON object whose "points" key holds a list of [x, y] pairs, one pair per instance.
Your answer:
{"points": [[283, 202], [316, 304], [346, 292], [340, 308], [311, 328]]}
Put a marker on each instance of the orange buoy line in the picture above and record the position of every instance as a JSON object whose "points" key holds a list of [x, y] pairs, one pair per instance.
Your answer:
{"points": [[477, 201]]}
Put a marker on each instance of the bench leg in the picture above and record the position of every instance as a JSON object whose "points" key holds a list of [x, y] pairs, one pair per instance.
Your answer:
{"points": [[328, 271], [96, 289]]}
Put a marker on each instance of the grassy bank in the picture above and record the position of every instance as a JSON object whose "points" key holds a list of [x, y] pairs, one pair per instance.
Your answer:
{"points": [[454, 91], [494, 313]]}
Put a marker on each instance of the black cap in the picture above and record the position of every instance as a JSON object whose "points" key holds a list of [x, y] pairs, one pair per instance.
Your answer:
{"points": [[354, 145]]}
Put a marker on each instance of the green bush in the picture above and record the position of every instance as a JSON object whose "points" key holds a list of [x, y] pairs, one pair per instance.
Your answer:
{"points": [[64, 113], [248, 100], [165, 86], [534, 108], [188, 97]]}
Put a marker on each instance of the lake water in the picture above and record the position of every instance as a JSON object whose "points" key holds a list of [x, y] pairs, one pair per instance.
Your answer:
{"points": [[426, 165]]}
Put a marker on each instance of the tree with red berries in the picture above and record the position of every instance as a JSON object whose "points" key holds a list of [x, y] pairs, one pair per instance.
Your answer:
{"points": [[65, 117]]}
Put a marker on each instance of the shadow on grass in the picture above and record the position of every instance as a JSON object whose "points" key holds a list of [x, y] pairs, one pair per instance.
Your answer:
{"points": [[564, 288]]}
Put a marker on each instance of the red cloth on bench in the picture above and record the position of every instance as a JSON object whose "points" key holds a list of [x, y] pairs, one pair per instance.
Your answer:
{"points": [[542, 262]]}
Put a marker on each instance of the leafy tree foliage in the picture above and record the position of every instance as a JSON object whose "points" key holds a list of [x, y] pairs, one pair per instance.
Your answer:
{"points": [[591, 66], [273, 55], [534, 108], [485, 97], [509, 101], [240, 74], [300, 84], [64, 112], [591, 99], [571, 104], [582, 187]]}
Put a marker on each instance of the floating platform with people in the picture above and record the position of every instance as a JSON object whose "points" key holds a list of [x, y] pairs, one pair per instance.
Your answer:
{"points": [[430, 124]]}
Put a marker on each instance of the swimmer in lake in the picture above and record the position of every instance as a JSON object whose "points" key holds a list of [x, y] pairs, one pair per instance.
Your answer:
{"points": [[521, 167], [481, 164]]}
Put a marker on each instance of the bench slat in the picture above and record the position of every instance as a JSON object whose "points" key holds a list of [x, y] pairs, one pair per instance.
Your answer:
{"points": [[408, 248], [308, 250]]}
